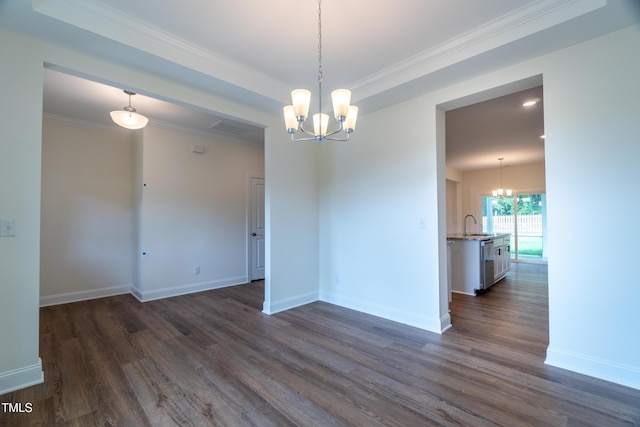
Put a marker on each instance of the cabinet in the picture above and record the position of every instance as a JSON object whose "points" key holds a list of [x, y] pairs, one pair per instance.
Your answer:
{"points": [[501, 257], [478, 262], [466, 266], [449, 245]]}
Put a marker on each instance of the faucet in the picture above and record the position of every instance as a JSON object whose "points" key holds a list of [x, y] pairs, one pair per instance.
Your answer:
{"points": [[465, 222]]}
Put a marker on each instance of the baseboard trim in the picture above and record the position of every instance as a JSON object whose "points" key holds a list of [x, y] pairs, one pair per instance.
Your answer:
{"points": [[67, 297], [432, 325], [445, 322], [463, 293], [174, 291], [289, 303], [20, 378], [628, 376]]}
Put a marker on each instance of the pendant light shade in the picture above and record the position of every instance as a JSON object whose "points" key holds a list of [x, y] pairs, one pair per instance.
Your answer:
{"points": [[341, 99], [301, 98], [350, 122], [320, 124], [127, 117], [290, 117]]}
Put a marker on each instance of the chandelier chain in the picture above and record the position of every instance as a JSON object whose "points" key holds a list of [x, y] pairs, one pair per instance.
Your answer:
{"points": [[319, 56], [319, 40]]}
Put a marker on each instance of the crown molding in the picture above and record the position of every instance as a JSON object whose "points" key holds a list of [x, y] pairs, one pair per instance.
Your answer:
{"points": [[112, 127], [88, 124], [118, 26], [130, 31], [210, 135], [520, 23]]}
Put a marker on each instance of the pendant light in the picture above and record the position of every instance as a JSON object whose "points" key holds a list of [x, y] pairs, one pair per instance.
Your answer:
{"points": [[344, 113], [500, 192], [127, 117]]}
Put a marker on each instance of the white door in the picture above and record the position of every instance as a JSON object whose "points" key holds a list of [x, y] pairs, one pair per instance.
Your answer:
{"points": [[256, 228]]}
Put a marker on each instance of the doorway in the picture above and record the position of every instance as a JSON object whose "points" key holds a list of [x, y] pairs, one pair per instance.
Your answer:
{"points": [[478, 129]]}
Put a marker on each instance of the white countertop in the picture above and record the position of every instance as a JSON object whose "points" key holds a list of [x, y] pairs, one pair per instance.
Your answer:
{"points": [[475, 236]]}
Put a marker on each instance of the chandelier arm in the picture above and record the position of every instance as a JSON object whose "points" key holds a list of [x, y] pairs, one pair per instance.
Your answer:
{"points": [[303, 130], [340, 129], [294, 139], [320, 139], [346, 138], [313, 136]]}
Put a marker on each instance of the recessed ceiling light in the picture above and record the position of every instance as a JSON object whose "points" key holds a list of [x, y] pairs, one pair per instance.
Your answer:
{"points": [[530, 103]]}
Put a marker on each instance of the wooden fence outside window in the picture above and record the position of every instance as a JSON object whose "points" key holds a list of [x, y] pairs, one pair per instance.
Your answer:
{"points": [[530, 225]]}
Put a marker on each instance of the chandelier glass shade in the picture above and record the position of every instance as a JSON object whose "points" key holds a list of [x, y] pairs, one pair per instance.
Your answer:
{"points": [[128, 117], [500, 192], [296, 113]]}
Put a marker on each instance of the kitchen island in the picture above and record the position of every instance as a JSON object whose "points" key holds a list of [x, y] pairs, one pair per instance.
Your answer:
{"points": [[478, 261]]}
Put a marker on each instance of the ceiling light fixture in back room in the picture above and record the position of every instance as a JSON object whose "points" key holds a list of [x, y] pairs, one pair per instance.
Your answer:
{"points": [[345, 114], [127, 117], [501, 191]]}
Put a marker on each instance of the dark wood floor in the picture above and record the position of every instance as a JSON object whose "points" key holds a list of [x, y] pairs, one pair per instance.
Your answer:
{"points": [[213, 358]]}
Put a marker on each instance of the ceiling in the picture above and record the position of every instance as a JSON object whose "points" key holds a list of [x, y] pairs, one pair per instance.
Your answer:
{"points": [[72, 98], [479, 134], [254, 52]]}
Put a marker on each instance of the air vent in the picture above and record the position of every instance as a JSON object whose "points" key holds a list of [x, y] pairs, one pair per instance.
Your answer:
{"points": [[229, 127]]}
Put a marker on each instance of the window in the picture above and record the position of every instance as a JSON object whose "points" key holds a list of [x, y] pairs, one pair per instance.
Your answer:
{"points": [[524, 220]]}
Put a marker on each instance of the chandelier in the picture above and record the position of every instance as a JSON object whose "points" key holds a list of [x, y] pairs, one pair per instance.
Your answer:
{"points": [[344, 113], [500, 191], [127, 117]]}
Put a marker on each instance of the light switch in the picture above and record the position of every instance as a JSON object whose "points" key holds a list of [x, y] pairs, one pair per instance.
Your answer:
{"points": [[7, 227], [422, 222]]}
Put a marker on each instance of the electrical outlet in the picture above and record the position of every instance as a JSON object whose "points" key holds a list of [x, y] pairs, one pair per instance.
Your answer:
{"points": [[7, 228], [422, 222], [196, 269]]}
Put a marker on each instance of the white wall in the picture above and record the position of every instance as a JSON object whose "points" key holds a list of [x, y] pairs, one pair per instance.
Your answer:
{"points": [[20, 127], [453, 211], [137, 188], [86, 246], [374, 191], [593, 155], [454, 198], [193, 212], [593, 313], [292, 221], [292, 237]]}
